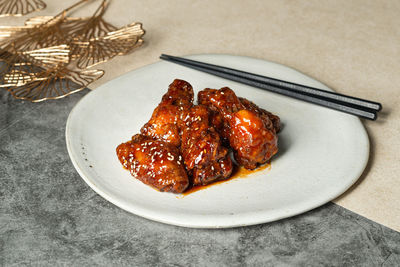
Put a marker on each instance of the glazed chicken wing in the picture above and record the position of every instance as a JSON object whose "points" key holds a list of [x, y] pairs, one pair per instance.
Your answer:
{"points": [[155, 163], [272, 121], [202, 151], [215, 171], [249, 130], [184, 144], [164, 124]]}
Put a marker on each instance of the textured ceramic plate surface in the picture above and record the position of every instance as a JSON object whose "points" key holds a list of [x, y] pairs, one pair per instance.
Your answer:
{"points": [[321, 152]]}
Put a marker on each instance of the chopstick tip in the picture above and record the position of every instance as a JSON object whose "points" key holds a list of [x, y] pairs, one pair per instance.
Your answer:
{"points": [[165, 56], [373, 117]]}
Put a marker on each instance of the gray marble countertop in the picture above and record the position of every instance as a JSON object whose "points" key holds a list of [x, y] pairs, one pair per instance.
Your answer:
{"points": [[50, 217]]}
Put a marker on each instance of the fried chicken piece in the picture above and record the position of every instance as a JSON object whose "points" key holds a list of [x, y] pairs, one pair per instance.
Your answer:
{"points": [[216, 171], [251, 139], [202, 151], [200, 142], [165, 121], [178, 123], [271, 121], [155, 163], [249, 130], [220, 125]]}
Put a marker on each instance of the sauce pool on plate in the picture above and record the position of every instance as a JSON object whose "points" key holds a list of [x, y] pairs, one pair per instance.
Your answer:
{"points": [[238, 172]]}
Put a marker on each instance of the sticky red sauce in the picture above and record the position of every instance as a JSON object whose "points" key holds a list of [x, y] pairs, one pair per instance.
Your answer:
{"points": [[238, 172]]}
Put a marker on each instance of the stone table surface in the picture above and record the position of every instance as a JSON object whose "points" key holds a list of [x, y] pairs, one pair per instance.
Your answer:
{"points": [[50, 217]]}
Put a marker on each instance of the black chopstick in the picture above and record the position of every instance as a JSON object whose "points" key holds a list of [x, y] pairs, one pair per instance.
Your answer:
{"points": [[283, 84], [360, 107]]}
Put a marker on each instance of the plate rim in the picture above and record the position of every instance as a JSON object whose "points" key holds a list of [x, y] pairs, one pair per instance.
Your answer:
{"points": [[178, 222]]}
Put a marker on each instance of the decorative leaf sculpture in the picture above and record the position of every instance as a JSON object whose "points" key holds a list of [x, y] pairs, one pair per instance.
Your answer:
{"points": [[29, 64], [54, 84], [35, 59], [98, 41], [101, 49], [20, 7]]}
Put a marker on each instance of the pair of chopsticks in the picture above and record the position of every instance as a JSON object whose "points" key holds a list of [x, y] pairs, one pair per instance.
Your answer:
{"points": [[348, 104]]}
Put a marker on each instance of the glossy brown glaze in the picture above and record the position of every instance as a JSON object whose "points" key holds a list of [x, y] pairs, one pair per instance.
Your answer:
{"points": [[186, 145], [201, 148], [242, 172], [215, 171], [155, 163], [165, 121], [237, 172], [250, 131], [271, 121]]}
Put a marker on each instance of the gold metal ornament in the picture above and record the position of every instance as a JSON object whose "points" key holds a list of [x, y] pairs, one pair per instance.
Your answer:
{"points": [[20, 68], [96, 41], [20, 7], [101, 49], [48, 57], [56, 83]]}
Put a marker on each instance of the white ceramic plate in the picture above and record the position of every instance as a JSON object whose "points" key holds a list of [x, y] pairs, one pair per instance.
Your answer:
{"points": [[321, 152]]}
